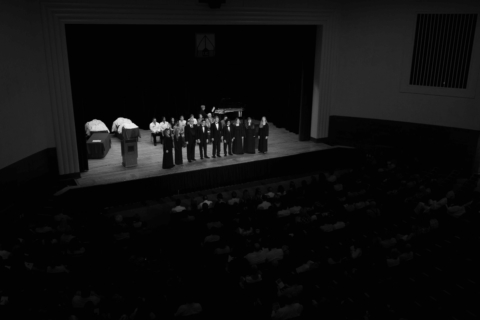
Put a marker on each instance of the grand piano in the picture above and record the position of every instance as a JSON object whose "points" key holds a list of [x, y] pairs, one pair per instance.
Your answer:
{"points": [[228, 105]]}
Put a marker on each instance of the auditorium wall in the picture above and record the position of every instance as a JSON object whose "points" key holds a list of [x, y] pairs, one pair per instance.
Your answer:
{"points": [[371, 52]]}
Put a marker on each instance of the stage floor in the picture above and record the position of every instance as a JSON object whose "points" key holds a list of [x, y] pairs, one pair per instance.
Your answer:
{"points": [[110, 170]]}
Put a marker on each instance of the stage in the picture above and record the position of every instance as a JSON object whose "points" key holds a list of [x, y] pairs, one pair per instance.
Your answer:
{"points": [[108, 181]]}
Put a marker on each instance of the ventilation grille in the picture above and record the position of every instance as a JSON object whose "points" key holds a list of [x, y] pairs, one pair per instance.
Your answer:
{"points": [[442, 50]]}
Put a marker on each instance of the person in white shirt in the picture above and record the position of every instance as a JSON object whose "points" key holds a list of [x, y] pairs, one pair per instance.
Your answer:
{"points": [[188, 309], [163, 126], [234, 199], [156, 131], [205, 200], [270, 194], [265, 204], [182, 122], [192, 118], [258, 256], [178, 207], [289, 311]]}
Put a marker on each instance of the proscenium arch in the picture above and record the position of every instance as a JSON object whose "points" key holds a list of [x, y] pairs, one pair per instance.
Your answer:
{"points": [[56, 15]]}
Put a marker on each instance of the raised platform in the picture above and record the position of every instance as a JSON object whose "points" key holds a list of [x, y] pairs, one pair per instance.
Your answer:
{"points": [[110, 170], [109, 183]]}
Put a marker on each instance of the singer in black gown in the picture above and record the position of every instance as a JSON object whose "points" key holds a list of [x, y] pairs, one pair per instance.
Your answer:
{"points": [[238, 135], [249, 140], [263, 136], [167, 150], [178, 140]]}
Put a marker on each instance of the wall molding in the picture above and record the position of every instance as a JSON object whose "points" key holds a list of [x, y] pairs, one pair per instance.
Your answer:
{"points": [[56, 15]]}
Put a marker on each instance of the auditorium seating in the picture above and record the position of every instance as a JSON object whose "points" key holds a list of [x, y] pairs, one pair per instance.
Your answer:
{"points": [[143, 259]]}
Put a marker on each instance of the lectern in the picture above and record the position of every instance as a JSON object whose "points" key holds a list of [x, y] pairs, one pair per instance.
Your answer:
{"points": [[130, 147]]}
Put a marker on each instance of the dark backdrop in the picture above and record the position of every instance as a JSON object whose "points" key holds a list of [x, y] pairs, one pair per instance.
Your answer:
{"points": [[139, 72]]}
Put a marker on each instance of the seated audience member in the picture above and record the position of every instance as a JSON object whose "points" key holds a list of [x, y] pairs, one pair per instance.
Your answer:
{"points": [[188, 309], [4, 254], [57, 267], [283, 212], [388, 243], [339, 225], [43, 228], [280, 192], [211, 238], [309, 265], [274, 254], [393, 259], [270, 194], [205, 200], [407, 255], [61, 217], [288, 311], [178, 206], [234, 199], [222, 248], [327, 227], [258, 256], [82, 297], [355, 252], [292, 290], [265, 204]]}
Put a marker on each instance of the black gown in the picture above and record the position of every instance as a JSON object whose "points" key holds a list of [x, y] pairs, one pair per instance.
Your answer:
{"points": [[178, 150], [249, 141], [167, 156], [262, 141], [238, 134]]}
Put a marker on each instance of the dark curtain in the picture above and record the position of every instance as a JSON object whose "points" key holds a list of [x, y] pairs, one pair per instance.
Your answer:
{"points": [[140, 72]]}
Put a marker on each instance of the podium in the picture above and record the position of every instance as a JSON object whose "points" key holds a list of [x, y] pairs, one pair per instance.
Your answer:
{"points": [[130, 147]]}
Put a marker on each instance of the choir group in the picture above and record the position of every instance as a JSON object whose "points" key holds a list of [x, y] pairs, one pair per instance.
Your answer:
{"points": [[237, 138]]}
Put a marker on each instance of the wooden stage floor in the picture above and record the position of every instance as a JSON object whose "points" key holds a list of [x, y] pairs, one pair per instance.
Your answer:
{"points": [[110, 170]]}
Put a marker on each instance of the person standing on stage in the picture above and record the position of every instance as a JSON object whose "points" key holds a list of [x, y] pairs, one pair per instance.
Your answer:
{"points": [[163, 127], [156, 132], [238, 135], [167, 150], [192, 118], [216, 132], [209, 122], [263, 136], [172, 125], [249, 136], [224, 121], [190, 137], [202, 111], [179, 140], [199, 120], [202, 135], [227, 138], [182, 121]]}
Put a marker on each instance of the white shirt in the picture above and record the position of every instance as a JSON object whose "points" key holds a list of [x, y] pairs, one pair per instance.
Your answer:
{"points": [[264, 205], [274, 254], [233, 201], [183, 123], [188, 309], [155, 127], [194, 120], [178, 209], [288, 312], [205, 201], [164, 125], [257, 257]]}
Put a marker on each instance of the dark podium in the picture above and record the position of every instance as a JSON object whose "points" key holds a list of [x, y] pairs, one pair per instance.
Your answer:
{"points": [[130, 147]]}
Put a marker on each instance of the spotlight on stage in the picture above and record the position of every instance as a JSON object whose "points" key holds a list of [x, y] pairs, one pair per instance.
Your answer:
{"points": [[213, 4]]}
